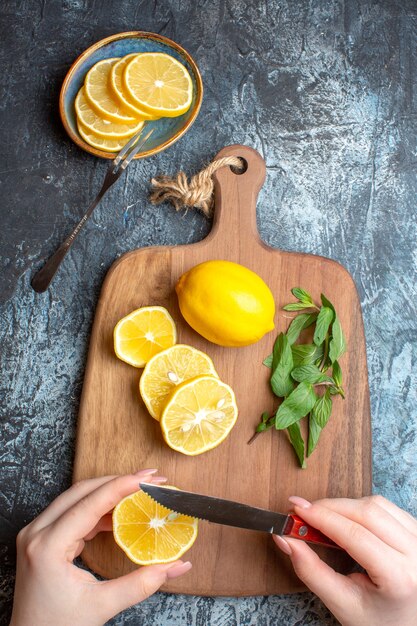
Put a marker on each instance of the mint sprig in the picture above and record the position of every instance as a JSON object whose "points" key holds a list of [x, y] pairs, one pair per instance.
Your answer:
{"points": [[305, 376]]}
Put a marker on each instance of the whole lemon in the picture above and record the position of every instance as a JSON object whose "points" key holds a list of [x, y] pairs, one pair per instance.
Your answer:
{"points": [[226, 303]]}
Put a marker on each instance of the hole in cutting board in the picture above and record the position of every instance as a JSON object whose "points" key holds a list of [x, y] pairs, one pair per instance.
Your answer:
{"points": [[242, 170]]}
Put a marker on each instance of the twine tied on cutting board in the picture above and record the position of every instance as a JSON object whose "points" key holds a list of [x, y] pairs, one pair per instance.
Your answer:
{"points": [[198, 192]]}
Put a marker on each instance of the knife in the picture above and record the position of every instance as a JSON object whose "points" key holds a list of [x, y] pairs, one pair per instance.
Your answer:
{"points": [[236, 514]]}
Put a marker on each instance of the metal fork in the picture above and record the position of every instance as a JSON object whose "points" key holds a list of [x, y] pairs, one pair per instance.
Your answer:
{"points": [[43, 278]]}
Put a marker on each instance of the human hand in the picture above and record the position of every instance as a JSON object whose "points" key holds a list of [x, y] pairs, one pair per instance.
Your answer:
{"points": [[50, 590], [379, 536]]}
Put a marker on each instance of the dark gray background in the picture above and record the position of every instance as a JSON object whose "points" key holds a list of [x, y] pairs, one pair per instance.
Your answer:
{"points": [[325, 90]]}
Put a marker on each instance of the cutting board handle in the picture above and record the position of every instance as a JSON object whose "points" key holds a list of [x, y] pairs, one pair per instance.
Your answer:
{"points": [[235, 196]]}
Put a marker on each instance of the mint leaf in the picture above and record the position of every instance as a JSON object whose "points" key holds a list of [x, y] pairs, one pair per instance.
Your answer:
{"points": [[310, 374], [337, 342], [314, 431], [336, 374], [297, 441], [282, 364], [297, 405], [302, 295], [327, 303], [299, 323], [281, 352], [268, 361], [324, 319], [305, 354], [297, 306], [322, 409]]}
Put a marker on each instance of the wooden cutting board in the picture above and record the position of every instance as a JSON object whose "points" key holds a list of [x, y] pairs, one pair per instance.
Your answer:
{"points": [[116, 434]]}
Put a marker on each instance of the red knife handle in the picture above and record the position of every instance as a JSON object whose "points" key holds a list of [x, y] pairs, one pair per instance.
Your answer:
{"points": [[297, 528]]}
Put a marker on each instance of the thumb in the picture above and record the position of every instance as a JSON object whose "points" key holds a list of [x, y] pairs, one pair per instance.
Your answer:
{"points": [[334, 589], [121, 593]]}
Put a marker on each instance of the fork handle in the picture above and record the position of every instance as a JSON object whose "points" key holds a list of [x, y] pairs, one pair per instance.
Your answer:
{"points": [[43, 278]]}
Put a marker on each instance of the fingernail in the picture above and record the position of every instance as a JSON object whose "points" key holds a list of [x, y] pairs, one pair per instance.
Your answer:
{"points": [[146, 472], [159, 479], [179, 570], [283, 545], [301, 502]]}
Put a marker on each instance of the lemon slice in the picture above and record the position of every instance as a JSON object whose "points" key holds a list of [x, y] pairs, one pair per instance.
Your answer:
{"points": [[108, 145], [99, 96], [168, 369], [149, 533], [159, 84], [119, 92], [199, 415], [143, 333], [98, 125]]}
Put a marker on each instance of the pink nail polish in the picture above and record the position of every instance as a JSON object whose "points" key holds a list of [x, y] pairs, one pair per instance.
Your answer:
{"points": [[179, 570], [283, 545], [145, 472], [301, 502]]}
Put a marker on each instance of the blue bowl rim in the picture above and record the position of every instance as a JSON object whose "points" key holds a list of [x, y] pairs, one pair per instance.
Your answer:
{"points": [[139, 34]]}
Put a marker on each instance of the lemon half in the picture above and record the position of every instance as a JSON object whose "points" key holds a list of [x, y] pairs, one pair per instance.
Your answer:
{"points": [[150, 533]]}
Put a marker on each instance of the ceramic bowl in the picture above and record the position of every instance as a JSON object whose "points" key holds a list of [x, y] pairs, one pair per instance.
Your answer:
{"points": [[168, 129]]}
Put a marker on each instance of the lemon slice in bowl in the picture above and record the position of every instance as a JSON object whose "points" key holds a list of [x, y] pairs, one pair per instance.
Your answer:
{"points": [[120, 93], [98, 125], [199, 415], [99, 96], [150, 533], [102, 143], [168, 369], [159, 84], [143, 333]]}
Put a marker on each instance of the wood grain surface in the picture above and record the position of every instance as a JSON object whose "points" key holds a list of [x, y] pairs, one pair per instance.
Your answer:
{"points": [[116, 434]]}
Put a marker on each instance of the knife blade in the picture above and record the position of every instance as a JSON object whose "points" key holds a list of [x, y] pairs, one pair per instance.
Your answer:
{"points": [[229, 513]]}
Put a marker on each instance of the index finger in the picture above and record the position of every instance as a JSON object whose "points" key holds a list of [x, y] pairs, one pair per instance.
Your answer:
{"points": [[371, 515], [368, 550], [69, 497], [66, 499], [82, 517]]}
